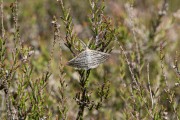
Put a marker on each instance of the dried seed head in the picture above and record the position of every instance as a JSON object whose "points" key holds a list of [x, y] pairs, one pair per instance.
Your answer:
{"points": [[88, 59]]}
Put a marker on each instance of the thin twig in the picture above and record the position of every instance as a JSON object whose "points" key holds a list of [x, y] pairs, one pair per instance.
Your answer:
{"points": [[175, 66], [83, 99], [150, 90], [130, 68], [132, 24], [16, 15], [162, 56], [2, 21], [156, 22], [7, 98]]}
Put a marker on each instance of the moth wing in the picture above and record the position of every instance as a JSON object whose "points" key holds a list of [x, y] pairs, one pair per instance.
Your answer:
{"points": [[88, 59], [97, 58], [79, 61]]}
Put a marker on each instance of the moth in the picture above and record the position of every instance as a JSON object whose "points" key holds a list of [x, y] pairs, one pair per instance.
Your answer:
{"points": [[88, 59]]}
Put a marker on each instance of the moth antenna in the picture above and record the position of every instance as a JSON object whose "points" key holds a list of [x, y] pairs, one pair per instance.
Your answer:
{"points": [[83, 43], [89, 42]]}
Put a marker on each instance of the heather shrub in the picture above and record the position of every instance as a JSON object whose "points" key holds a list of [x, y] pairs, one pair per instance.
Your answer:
{"points": [[139, 80]]}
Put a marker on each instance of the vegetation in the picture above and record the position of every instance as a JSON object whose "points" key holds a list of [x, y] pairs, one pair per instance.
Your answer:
{"points": [[140, 80]]}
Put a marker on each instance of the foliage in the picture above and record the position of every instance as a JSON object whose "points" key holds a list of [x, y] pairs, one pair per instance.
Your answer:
{"points": [[141, 79]]}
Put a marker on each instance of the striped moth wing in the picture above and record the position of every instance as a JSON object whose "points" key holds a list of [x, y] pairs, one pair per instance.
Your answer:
{"points": [[88, 59]]}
